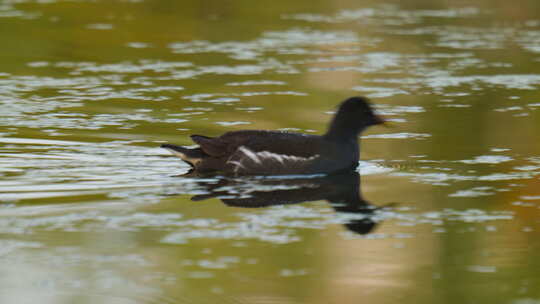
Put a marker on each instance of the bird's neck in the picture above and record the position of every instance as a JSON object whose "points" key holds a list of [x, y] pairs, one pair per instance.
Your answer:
{"points": [[342, 129]]}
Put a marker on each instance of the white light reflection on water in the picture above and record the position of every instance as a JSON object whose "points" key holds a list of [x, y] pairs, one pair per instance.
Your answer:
{"points": [[64, 168]]}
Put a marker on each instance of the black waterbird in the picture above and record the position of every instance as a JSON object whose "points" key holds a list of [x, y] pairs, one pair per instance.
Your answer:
{"points": [[261, 152]]}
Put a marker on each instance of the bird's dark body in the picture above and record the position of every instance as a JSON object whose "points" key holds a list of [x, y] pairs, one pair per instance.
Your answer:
{"points": [[261, 152], [279, 143]]}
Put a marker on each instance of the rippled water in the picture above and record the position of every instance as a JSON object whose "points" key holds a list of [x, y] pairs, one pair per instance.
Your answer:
{"points": [[445, 209]]}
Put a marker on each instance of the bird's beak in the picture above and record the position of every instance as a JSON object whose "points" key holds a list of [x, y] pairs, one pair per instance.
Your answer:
{"points": [[380, 120]]}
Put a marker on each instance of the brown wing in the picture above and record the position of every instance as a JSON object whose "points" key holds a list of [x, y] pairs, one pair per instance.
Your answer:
{"points": [[291, 144], [215, 147], [248, 162]]}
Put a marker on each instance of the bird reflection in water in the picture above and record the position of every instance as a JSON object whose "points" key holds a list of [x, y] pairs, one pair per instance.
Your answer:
{"points": [[342, 191]]}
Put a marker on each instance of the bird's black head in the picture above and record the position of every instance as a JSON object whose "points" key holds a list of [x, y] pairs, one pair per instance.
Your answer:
{"points": [[353, 116], [359, 109]]}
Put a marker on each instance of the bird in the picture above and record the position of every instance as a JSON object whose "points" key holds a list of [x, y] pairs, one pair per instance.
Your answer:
{"points": [[267, 152]]}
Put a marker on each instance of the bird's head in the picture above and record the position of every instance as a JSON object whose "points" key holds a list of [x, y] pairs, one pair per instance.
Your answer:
{"points": [[353, 116], [359, 111]]}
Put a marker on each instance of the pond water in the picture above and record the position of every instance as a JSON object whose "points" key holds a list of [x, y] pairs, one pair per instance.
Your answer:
{"points": [[445, 209]]}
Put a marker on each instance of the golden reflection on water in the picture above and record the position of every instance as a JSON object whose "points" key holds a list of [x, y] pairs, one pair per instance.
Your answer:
{"points": [[92, 212]]}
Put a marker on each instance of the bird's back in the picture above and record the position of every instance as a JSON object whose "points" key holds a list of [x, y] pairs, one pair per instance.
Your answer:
{"points": [[286, 143]]}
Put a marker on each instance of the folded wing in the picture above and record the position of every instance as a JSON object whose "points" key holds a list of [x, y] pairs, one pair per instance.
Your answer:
{"points": [[246, 161]]}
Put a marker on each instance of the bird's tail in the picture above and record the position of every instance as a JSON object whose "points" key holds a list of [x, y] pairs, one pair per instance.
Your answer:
{"points": [[189, 155]]}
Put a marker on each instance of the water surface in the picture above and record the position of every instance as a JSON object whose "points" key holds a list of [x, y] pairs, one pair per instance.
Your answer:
{"points": [[445, 209]]}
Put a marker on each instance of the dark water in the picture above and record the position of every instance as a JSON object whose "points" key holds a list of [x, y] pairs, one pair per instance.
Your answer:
{"points": [[445, 211]]}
